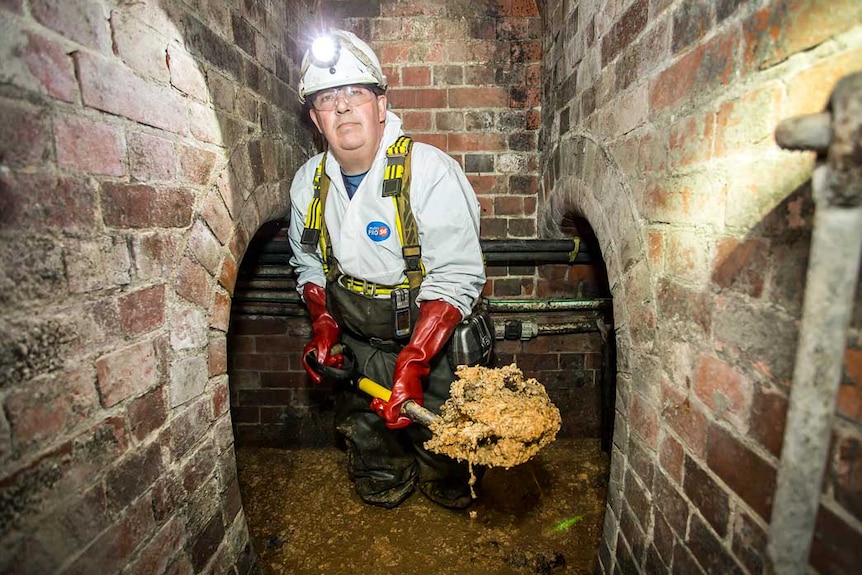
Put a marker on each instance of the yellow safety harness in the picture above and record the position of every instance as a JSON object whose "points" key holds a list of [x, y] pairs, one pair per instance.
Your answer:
{"points": [[396, 185]]}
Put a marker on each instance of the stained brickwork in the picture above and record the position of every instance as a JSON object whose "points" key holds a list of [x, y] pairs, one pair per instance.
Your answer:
{"points": [[142, 145], [657, 123]]}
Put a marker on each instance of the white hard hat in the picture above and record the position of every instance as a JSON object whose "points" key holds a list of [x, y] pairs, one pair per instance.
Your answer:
{"points": [[339, 58]]}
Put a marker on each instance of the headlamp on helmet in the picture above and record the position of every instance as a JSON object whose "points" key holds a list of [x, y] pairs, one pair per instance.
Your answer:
{"points": [[325, 51], [339, 58]]}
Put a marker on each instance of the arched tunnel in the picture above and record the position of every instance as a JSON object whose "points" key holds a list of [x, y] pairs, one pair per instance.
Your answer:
{"points": [[667, 193]]}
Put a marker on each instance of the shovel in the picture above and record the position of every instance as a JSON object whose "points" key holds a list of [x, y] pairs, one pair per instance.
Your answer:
{"points": [[349, 373]]}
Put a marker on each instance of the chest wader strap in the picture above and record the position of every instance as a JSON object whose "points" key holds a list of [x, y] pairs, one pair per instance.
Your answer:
{"points": [[397, 186], [315, 231]]}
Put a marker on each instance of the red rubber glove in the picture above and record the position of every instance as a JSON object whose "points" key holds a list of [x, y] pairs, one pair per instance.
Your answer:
{"points": [[326, 331], [434, 326]]}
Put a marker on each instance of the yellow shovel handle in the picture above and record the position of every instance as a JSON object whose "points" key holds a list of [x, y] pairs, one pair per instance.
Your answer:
{"points": [[410, 408], [373, 389]]}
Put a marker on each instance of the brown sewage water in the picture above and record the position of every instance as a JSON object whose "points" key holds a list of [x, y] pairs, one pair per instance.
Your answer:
{"points": [[544, 516]]}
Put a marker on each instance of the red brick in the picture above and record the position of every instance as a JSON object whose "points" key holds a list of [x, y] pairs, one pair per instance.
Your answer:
{"points": [[140, 206], [625, 30], [836, 544], [525, 8], [691, 140], [196, 165], [416, 121], [25, 139], [127, 372], [768, 419], [228, 275], [217, 356], [472, 98], [749, 543], [151, 158], [189, 427], [671, 457], [685, 419], [644, 420], [407, 98], [206, 544], [484, 185], [51, 66], [161, 550], [198, 468], [83, 22], [709, 551], [49, 202], [117, 544], [193, 283], [723, 390], [671, 505], [846, 473], [217, 217], [205, 247], [143, 310], [476, 143], [850, 391], [147, 413], [710, 499], [220, 312], [89, 147], [137, 45], [186, 75], [154, 255], [289, 380], [740, 265], [221, 399], [51, 406], [520, 97], [436, 140], [413, 52], [259, 326], [750, 476], [786, 27], [132, 476], [416, 76], [108, 86]]}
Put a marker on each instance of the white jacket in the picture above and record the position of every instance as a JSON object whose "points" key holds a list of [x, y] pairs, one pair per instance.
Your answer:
{"points": [[363, 230]]}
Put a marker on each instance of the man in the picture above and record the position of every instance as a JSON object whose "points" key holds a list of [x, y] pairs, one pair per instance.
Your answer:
{"points": [[357, 271]]}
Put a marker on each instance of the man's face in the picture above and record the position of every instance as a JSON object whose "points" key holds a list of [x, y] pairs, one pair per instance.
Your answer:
{"points": [[351, 118]]}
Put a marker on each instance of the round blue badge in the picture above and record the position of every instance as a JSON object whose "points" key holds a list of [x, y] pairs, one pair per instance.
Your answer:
{"points": [[378, 231]]}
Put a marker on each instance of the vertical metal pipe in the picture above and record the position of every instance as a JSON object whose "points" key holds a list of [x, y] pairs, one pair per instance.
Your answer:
{"points": [[833, 272]]}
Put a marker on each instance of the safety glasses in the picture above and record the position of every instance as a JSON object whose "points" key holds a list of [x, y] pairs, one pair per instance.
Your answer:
{"points": [[354, 95]]}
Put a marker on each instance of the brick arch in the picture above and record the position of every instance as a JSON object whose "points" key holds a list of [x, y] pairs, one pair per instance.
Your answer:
{"points": [[590, 184]]}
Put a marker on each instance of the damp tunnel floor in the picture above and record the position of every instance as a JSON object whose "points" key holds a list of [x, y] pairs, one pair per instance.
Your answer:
{"points": [[544, 516]]}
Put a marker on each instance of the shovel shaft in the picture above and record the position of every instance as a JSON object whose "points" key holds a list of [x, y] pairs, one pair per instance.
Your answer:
{"points": [[410, 408]]}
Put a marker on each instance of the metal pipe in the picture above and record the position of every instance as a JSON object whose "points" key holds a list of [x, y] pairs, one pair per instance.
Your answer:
{"points": [[269, 309], [836, 248], [275, 250], [290, 296], [516, 329], [561, 245], [543, 305], [492, 258]]}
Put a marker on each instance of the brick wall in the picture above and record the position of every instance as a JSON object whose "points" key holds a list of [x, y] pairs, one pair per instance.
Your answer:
{"points": [[142, 144], [657, 125]]}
